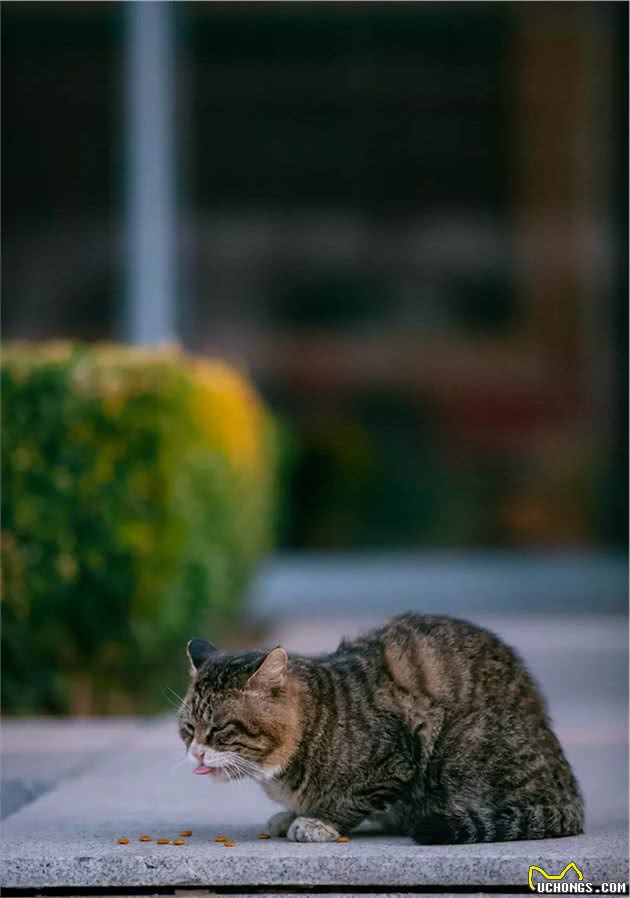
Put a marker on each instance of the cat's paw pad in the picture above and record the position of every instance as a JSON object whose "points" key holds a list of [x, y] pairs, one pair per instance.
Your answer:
{"points": [[309, 829], [279, 824]]}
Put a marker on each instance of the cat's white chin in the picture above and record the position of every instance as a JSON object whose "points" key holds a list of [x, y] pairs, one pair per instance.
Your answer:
{"points": [[267, 774]]}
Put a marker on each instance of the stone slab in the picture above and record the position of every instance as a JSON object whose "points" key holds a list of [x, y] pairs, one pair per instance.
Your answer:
{"points": [[366, 862], [67, 838]]}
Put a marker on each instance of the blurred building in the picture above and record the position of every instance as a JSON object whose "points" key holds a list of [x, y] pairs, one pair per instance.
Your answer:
{"points": [[407, 220]]}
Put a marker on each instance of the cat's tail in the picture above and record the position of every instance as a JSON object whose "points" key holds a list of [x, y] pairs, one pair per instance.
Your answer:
{"points": [[501, 825]]}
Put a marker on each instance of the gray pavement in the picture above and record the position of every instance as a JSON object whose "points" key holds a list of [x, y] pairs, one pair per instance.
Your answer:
{"points": [[130, 780], [68, 746], [67, 838]]}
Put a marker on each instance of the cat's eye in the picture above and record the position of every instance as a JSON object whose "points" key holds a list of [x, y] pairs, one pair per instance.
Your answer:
{"points": [[228, 729], [221, 732], [236, 728]]}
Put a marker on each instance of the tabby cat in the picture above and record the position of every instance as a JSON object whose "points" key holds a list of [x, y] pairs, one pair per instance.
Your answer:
{"points": [[430, 726]]}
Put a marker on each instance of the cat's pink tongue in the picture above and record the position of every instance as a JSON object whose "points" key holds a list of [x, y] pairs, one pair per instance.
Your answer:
{"points": [[201, 769]]}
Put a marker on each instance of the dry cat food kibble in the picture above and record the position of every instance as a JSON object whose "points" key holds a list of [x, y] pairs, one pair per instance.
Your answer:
{"points": [[229, 844], [145, 839], [186, 832], [123, 841], [219, 838], [163, 841], [343, 839], [264, 836]]}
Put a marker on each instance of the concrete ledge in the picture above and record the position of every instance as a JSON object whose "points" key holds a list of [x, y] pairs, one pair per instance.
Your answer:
{"points": [[366, 861], [67, 838], [375, 862]]}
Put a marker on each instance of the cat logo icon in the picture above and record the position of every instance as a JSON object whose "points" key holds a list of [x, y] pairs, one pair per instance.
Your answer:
{"points": [[542, 887]]}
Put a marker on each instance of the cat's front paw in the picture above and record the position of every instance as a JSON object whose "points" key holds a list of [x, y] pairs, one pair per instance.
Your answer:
{"points": [[309, 829], [279, 824]]}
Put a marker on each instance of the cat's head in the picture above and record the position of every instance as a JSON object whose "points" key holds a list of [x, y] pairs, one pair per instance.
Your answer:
{"points": [[238, 716]]}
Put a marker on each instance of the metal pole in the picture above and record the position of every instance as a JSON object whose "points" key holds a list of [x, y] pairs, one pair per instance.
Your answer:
{"points": [[151, 261]]}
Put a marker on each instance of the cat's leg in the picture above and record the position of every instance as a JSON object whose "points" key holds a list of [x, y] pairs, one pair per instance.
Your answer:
{"points": [[328, 821], [440, 819], [344, 805], [310, 829], [345, 817], [279, 824]]}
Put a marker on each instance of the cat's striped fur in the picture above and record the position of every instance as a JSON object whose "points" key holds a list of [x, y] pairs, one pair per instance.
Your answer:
{"points": [[431, 725]]}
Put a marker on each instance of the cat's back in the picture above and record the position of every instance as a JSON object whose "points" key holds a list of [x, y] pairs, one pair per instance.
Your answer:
{"points": [[445, 658], [409, 631]]}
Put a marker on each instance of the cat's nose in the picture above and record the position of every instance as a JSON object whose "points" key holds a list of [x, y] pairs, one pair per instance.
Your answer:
{"points": [[197, 750]]}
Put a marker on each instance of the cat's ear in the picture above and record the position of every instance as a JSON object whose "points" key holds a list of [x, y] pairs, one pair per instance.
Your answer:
{"points": [[198, 650], [272, 673]]}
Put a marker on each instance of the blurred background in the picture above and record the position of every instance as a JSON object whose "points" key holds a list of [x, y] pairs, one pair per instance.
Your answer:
{"points": [[403, 230], [408, 221], [390, 241]]}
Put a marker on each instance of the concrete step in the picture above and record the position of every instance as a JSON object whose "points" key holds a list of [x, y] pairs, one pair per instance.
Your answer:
{"points": [[67, 837]]}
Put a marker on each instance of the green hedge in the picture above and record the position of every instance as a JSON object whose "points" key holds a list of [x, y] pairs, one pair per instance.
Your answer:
{"points": [[138, 494]]}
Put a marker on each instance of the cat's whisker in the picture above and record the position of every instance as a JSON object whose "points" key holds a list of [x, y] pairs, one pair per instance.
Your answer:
{"points": [[246, 767], [177, 754], [181, 702], [171, 702], [177, 705], [179, 763], [176, 694], [244, 761], [239, 767]]}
